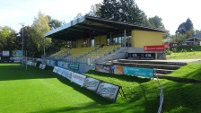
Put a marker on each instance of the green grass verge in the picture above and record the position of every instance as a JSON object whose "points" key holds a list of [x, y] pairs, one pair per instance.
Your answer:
{"points": [[190, 71], [42, 91], [184, 55], [182, 97]]}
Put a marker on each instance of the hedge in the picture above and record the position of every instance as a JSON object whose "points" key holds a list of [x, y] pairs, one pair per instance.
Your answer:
{"points": [[186, 48]]}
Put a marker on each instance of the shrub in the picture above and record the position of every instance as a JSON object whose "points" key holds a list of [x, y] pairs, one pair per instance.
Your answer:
{"points": [[174, 50], [187, 48], [168, 52], [183, 50]]}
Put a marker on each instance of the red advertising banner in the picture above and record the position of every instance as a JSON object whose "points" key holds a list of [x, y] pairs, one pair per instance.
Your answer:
{"points": [[154, 48], [166, 45]]}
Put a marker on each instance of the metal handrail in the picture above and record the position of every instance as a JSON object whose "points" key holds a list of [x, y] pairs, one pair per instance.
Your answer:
{"points": [[160, 108]]}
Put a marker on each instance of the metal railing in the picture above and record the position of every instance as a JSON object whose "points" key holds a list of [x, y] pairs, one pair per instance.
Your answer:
{"points": [[160, 108]]}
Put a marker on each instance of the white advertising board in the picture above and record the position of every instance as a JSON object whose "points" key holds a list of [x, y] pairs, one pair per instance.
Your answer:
{"points": [[108, 91], [91, 84], [78, 79], [5, 53], [55, 70]]}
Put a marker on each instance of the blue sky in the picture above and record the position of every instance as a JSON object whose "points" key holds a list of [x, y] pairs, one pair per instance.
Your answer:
{"points": [[173, 12]]}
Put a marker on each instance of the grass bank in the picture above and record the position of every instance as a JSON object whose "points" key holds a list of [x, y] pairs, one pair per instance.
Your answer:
{"points": [[184, 55], [183, 97]]}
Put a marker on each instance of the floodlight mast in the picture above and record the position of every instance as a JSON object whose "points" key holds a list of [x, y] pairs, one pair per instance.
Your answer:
{"points": [[22, 24]]}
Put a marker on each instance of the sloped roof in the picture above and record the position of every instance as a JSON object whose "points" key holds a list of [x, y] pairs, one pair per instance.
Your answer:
{"points": [[88, 26], [196, 36]]}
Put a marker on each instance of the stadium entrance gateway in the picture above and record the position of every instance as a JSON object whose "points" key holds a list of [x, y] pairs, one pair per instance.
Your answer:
{"points": [[94, 40]]}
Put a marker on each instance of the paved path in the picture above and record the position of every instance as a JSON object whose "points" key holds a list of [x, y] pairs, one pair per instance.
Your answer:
{"points": [[181, 60]]}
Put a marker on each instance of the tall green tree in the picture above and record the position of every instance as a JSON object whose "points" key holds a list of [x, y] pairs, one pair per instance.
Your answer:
{"points": [[184, 30], [189, 25], [54, 23], [56, 44], [110, 10], [95, 10], [39, 27], [131, 12], [7, 38], [122, 10], [29, 44], [156, 22], [185, 27]]}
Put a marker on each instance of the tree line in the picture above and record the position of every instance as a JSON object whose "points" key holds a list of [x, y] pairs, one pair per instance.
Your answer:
{"points": [[117, 10], [34, 42], [125, 11]]}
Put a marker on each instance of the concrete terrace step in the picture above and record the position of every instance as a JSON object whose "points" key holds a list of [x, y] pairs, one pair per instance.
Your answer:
{"points": [[152, 66], [168, 62], [163, 71], [158, 74], [177, 79], [161, 67]]}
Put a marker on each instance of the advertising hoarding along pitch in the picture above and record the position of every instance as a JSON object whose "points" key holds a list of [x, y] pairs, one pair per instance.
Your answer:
{"points": [[104, 89], [65, 74], [73, 66], [60, 71], [108, 91], [103, 68], [43, 66], [40, 66], [70, 75], [5, 53], [118, 69], [55, 70], [78, 79], [31, 63], [17, 53], [91, 83], [133, 71]]}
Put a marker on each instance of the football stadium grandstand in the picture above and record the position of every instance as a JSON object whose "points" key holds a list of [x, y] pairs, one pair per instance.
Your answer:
{"points": [[95, 40]]}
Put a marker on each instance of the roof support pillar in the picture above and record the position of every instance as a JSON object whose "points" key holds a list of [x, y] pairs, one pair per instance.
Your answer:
{"points": [[110, 39], [99, 38], [125, 38]]}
